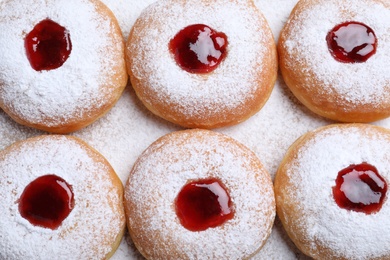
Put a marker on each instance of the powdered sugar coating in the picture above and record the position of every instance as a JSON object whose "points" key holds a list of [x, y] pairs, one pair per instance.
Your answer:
{"points": [[311, 174], [174, 160], [96, 220], [197, 98], [127, 12], [121, 139], [82, 85], [354, 84]]}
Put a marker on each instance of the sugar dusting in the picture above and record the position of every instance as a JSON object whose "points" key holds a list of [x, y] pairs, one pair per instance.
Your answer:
{"points": [[127, 12], [75, 89], [321, 218], [197, 97], [129, 128], [166, 167], [80, 234], [357, 83]]}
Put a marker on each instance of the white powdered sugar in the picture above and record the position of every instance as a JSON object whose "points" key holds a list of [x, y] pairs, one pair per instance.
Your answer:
{"points": [[230, 86], [166, 166], [80, 85], [129, 128], [312, 174], [93, 224], [127, 12], [355, 83]]}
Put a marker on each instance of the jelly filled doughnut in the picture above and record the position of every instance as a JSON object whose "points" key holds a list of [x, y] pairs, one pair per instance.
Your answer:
{"points": [[334, 56], [59, 199], [64, 65], [197, 194], [202, 64], [332, 192]]}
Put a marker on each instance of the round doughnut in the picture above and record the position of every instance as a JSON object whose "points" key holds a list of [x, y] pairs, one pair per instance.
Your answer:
{"points": [[308, 198], [181, 158], [70, 96], [95, 225], [232, 91], [355, 91]]}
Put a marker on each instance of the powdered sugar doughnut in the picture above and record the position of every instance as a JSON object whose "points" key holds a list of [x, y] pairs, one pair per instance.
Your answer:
{"points": [[60, 198], [331, 192], [89, 77], [351, 90], [222, 168], [236, 86]]}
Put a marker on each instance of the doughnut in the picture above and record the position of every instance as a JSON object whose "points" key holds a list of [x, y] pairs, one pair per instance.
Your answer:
{"points": [[198, 194], [60, 198], [64, 66], [334, 57], [202, 64], [331, 192]]}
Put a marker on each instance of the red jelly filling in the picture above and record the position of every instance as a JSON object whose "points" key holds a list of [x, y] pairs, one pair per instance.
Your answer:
{"points": [[198, 48], [360, 188], [46, 201], [47, 46], [203, 204], [352, 42]]}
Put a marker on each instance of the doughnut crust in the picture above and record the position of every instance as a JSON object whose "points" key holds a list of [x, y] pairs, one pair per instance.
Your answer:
{"points": [[304, 199], [96, 224], [234, 91], [169, 164], [84, 88], [346, 92]]}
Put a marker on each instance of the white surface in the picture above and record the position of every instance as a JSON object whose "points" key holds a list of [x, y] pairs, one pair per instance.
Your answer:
{"points": [[129, 128]]}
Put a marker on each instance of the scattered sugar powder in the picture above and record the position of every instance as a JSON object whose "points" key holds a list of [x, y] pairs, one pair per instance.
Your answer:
{"points": [[127, 12], [357, 83], [129, 128], [312, 174], [167, 165], [236, 81], [75, 89], [92, 225]]}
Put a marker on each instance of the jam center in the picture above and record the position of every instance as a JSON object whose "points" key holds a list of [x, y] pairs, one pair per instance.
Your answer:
{"points": [[47, 46], [352, 42], [360, 188], [198, 48], [46, 201], [203, 204]]}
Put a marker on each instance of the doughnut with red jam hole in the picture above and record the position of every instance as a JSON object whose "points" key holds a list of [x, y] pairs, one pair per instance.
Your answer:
{"points": [[198, 194], [60, 198], [64, 67], [202, 65], [334, 57], [331, 192]]}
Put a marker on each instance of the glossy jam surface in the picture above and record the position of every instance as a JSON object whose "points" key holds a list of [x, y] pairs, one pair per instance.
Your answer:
{"points": [[46, 201], [203, 204], [360, 188], [352, 42], [48, 45], [198, 48]]}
